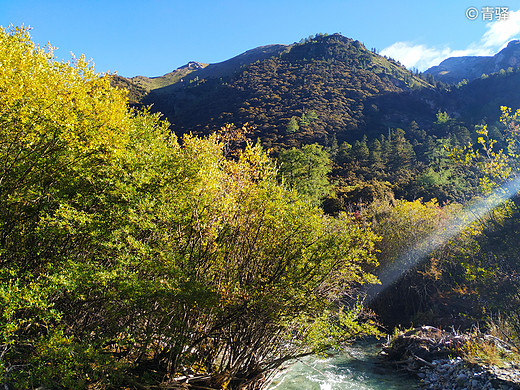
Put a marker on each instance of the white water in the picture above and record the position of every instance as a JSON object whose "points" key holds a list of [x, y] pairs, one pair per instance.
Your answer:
{"points": [[358, 368]]}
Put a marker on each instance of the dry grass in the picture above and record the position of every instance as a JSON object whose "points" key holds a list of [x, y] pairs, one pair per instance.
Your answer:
{"points": [[493, 348]]}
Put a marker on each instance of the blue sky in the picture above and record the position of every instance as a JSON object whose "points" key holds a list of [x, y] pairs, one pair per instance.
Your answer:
{"points": [[154, 37]]}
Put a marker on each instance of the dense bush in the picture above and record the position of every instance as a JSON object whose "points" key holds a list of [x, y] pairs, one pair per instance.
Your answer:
{"points": [[126, 253]]}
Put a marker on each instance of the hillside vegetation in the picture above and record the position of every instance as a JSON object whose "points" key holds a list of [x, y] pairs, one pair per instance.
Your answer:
{"points": [[307, 93]]}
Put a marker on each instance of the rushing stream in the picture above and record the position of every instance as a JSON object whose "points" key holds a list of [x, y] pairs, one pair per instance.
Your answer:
{"points": [[358, 368]]}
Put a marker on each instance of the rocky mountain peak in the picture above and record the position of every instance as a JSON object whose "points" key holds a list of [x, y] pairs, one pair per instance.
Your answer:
{"points": [[192, 65]]}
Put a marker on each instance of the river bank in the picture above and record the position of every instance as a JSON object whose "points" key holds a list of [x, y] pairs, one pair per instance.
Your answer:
{"points": [[423, 358], [455, 361], [457, 374]]}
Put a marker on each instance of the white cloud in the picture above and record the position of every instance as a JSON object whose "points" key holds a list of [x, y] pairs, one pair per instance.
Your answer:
{"points": [[422, 57], [499, 33]]}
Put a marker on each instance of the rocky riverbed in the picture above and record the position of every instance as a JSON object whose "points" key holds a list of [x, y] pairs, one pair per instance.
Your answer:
{"points": [[456, 374]]}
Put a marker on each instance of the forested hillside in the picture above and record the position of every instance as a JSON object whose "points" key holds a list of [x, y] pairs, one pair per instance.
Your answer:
{"points": [[310, 92], [386, 129]]}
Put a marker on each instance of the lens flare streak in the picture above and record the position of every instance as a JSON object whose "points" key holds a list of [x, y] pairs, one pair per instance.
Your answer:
{"points": [[419, 252]]}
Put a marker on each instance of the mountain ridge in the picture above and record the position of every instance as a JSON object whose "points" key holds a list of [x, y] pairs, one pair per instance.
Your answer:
{"points": [[330, 77], [323, 88], [455, 69]]}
